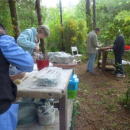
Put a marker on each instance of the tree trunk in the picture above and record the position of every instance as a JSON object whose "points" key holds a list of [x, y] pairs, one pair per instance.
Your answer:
{"points": [[38, 8], [12, 5], [94, 13], [62, 35], [88, 15]]}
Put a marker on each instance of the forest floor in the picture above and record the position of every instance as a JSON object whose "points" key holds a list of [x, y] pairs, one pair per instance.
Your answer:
{"points": [[98, 97]]}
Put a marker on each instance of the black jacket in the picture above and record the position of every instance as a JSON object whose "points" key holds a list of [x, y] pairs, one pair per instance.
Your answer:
{"points": [[8, 89], [119, 45]]}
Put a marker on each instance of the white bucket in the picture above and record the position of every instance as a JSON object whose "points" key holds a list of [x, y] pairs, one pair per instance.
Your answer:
{"points": [[47, 118]]}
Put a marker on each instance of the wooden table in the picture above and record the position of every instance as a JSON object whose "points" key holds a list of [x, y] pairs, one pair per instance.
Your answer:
{"points": [[29, 88], [103, 51]]}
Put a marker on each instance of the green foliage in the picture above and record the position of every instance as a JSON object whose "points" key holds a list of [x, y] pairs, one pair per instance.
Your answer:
{"points": [[75, 113], [26, 14], [5, 17], [110, 19], [123, 15], [75, 34], [125, 97], [54, 40]]}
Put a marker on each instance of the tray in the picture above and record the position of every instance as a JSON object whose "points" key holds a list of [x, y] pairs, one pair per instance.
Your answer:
{"points": [[65, 66]]}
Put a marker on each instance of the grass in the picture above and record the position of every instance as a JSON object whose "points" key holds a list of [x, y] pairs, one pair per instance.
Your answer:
{"points": [[75, 113], [103, 84], [84, 87], [109, 92]]}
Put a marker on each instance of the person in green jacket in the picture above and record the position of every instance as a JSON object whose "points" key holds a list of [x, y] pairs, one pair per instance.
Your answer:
{"points": [[91, 49], [29, 39]]}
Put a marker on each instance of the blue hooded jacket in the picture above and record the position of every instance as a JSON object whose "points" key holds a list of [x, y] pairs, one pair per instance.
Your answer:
{"points": [[26, 40]]}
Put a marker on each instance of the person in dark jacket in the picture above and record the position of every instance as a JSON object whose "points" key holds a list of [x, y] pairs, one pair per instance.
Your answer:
{"points": [[119, 49], [10, 53]]}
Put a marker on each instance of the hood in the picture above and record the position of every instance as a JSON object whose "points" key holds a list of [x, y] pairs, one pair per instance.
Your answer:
{"points": [[34, 31]]}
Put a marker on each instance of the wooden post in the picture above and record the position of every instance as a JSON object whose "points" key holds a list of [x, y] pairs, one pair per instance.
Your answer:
{"points": [[63, 113], [38, 8], [104, 59], [99, 58], [62, 35], [12, 5]]}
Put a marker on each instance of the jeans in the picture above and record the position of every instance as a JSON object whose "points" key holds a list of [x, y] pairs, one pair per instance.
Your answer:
{"points": [[90, 65], [118, 63], [8, 120]]}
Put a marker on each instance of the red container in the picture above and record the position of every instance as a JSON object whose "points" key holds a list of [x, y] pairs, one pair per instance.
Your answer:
{"points": [[127, 47], [42, 64]]}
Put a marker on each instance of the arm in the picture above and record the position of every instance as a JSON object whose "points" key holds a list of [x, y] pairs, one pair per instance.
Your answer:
{"points": [[95, 41], [117, 44], [24, 39], [15, 54]]}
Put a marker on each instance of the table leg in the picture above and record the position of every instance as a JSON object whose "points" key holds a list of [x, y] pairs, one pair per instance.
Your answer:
{"points": [[99, 58], [63, 113], [104, 59]]}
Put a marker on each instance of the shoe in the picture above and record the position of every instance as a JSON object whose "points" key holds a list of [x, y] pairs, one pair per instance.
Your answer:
{"points": [[120, 75]]}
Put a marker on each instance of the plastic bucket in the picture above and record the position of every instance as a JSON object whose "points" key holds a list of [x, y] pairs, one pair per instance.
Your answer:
{"points": [[42, 64], [48, 118]]}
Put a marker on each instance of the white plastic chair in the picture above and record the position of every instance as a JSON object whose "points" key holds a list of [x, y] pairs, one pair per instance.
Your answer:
{"points": [[76, 54]]}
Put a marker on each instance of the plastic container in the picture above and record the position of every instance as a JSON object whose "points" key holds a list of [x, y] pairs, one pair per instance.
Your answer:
{"points": [[73, 76], [127, 47], [27, 113], [73, 83], [42, 64], [47, 118], [49, 76], [72, 94]]}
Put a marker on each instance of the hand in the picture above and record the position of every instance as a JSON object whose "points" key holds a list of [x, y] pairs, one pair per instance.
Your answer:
{"points": [[34, 58], [36, 49], [110, 46]]}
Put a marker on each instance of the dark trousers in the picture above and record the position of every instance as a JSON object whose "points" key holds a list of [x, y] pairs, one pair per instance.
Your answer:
{"points": [[118, 63]]}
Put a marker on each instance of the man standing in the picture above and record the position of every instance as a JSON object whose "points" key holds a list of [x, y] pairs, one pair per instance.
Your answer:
{"points": [[91, 49], [119, 49], [10, 53]]}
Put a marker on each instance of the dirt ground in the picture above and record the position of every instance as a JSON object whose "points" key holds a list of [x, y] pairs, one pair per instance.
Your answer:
{"points": [[99, 101]]}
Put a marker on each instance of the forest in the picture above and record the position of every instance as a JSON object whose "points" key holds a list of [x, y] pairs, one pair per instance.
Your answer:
{"points": [[102, 102], [111, 16]]}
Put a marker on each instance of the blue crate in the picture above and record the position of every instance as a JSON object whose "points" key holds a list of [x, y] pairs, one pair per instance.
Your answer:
{"points": [[73, 83]]}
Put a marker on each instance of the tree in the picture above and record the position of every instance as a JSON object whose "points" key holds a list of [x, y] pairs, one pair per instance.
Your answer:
{"points": [[94, 13], [88, 14], [61, 19], [12, 5], [38, 8]]}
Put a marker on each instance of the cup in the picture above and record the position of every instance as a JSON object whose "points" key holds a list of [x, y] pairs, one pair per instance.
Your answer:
{"points": [[42, 64]]}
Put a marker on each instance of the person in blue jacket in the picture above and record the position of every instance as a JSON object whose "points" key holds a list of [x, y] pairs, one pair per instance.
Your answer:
{"points": [[29, 39], [10, 53]]}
